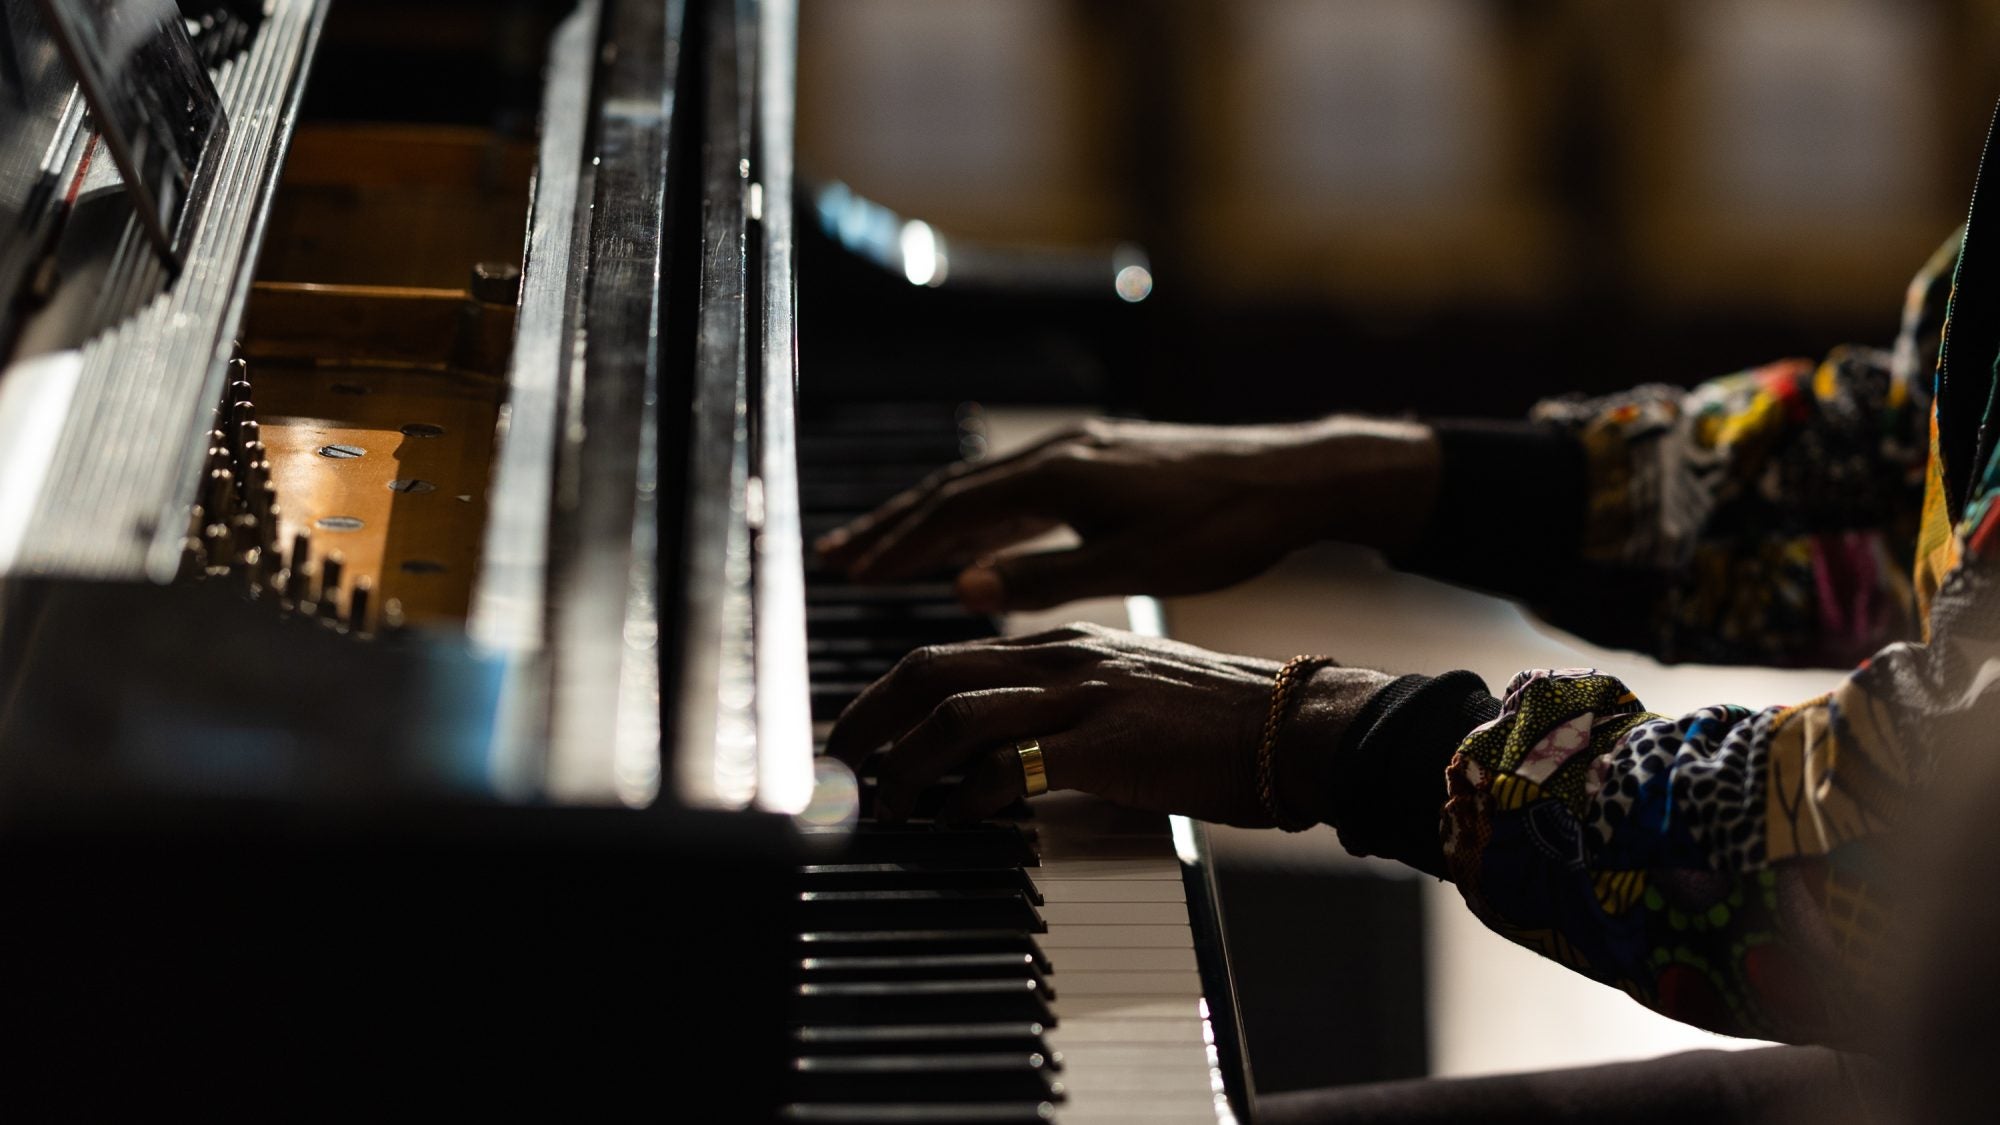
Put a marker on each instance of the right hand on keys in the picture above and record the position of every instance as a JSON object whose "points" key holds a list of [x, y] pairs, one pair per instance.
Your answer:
{"points": [[1160, 509]]}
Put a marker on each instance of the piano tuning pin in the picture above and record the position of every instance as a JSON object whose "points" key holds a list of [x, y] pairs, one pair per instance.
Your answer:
{"points": [[245, 533], [331, 576], [357, 604], [301, 550], [248, 432], [298, 585], [221, 491], [392, 616], [270, 568]]}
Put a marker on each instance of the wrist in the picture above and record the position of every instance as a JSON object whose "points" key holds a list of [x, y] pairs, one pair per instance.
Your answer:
{"points": [[1376, 479], [1323, 707]]}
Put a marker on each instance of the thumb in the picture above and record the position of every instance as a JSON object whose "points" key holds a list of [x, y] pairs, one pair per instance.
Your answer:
{"points": [[1040, 581]]}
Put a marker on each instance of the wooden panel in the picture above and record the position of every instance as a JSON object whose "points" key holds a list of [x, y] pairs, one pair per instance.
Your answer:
{"points": [[430, 430], [397, 205]]}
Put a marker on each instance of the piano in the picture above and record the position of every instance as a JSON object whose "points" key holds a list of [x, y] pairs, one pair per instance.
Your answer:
{"points": [[411, 662]]}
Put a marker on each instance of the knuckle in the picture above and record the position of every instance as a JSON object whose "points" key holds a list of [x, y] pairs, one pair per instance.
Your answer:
{"points": [[1066, 462], [920, 662], [956, 716]]}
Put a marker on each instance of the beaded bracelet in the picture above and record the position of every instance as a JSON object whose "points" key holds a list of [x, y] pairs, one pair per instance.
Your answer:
{"points": [[1296, 669]]}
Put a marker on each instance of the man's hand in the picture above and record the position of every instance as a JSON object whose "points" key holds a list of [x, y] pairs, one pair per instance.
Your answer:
{"points": [[1160, 509], [1151, 724]]}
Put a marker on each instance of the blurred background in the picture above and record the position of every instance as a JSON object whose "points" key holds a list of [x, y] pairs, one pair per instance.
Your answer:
{"points": [[1438, 205]]}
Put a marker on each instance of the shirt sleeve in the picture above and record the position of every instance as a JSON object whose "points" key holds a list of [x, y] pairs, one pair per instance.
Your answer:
{"points": [[1738, 869], [1765, 517], [1731, 868]]}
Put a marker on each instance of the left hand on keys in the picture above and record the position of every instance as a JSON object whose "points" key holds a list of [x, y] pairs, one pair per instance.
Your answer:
{"points": [[1152, 724]]}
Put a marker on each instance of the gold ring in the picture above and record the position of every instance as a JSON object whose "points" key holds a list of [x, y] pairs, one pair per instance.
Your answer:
{"points": [[1033, 771]]}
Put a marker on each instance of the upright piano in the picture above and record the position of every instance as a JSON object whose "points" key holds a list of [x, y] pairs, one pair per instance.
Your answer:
{"points": [[411, 662]]}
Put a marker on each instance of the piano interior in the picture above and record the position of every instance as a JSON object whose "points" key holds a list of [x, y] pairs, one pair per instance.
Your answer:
{"points": [[375, 351], [411, 662]]}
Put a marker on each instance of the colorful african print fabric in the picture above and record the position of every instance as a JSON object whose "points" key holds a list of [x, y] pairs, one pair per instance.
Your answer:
{"points": [[1728, 867]]}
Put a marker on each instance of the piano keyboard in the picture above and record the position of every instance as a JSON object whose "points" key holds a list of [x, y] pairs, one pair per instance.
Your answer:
{"points": [[1037, 967]]}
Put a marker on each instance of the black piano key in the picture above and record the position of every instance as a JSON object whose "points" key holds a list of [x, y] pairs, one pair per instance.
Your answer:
{"points": [[941, 1113], [863, 491], [993, 966], [911, 876], [919, 624], [889, 645], [835, 452], [930, 799], [878, 1002], [980, 908], [916, 943], [982, 845], [865, 667], [990, 1077], [925, 1038], [831, 591], [830, 699]]}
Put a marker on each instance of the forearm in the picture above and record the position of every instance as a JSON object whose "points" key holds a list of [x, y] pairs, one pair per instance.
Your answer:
{"points": [[1508, 509]]}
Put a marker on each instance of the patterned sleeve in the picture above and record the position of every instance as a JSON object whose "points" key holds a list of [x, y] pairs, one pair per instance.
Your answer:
{"points": [[1734, 869], [1729, 868], [1776, 508]]}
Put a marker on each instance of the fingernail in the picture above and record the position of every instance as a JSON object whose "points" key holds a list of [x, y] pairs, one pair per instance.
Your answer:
{"points": [[981, 591]]}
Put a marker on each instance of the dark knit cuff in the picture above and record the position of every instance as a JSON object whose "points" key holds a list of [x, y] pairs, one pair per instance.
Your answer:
{"points": [[1510, 507], [1385, 782]]}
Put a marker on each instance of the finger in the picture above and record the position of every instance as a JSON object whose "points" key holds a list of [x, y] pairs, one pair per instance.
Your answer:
{"points": [[842, 546], [889, 707], [957, 731], [1050, 578], [992, 781], [965, 517]]}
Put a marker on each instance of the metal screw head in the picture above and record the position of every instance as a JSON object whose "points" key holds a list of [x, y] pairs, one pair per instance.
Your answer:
{"points": [[422, 430], [423, 566], [342, 452], [412, 486], [338, 523]]}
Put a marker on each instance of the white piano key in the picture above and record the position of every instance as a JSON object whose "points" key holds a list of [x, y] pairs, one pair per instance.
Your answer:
{"points": [[1115, 959], [1115, 914], [1098, 937], [1146, 1006], [1156, 1080], [1077, 1028], [1166, 869], [1112, 890], [1091, 1107], [1070, 984], [1141, 1056]]}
